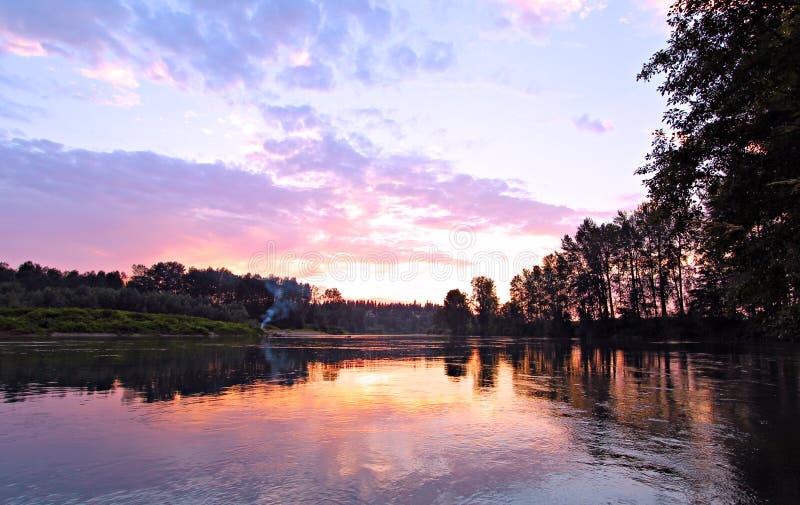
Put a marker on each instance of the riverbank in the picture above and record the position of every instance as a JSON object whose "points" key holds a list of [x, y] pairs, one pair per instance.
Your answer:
{"points": [[71, 322], [288, 332], [687, 328]]}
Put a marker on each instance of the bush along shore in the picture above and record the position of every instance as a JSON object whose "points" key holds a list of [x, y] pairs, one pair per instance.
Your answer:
{"points": [[50, 321]]}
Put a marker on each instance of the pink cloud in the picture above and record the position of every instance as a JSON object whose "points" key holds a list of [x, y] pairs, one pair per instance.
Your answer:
{"points": [[140, 205], [62, 206], [537, 16], [123, 81], [116, 75], [159, 71], [315, 191], [20, 46], [300, 58]]}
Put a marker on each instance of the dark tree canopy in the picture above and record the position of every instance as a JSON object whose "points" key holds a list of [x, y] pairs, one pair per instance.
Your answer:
{"points": [[731, 74], [485, 303], [456, 312]]}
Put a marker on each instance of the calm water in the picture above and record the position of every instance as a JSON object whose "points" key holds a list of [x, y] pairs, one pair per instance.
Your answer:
{"points": [[401, 419]]}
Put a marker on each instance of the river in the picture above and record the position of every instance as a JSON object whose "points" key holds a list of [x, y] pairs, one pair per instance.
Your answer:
{"points": [[397, 419]]}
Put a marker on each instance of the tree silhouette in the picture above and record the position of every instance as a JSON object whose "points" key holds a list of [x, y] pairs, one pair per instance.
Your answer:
{"points": [[730, 76], [456, 312], [484, 302]]}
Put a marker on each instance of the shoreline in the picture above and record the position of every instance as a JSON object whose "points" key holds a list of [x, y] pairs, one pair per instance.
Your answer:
{"points": [[4, 336]]}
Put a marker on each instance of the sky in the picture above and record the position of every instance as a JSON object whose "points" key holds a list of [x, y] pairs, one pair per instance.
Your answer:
{"points": [[393, 150]]}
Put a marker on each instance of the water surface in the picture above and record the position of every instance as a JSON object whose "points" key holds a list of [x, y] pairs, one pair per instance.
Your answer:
{"points": [[397, 420]]}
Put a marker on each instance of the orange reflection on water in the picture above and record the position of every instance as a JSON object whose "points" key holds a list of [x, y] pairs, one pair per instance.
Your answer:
{"points": [[380, 420]]}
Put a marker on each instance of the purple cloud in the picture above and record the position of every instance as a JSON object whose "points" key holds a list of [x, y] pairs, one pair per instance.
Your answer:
{"points": [[61, 204], [403, 59], [315, 76], [218, 44], [87, 209], [10, 109], [416, 182], [365, 65], [293, 117], [438, 56], [83, 30], [587, 124]]}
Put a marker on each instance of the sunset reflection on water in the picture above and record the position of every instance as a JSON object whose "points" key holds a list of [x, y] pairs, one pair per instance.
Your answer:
{"points": [[409, 420]]}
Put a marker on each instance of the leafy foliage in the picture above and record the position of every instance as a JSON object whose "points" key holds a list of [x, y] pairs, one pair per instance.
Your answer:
{"points": [[484, 303], [731, 73], [455, 313]]}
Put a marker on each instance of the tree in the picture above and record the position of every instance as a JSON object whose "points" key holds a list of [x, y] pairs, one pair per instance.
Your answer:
{"points": [[627, 258], [542, 292], [730, 75], [456, 313], [590, 255], [556, 277], [484, 302], [511, 320], [333, 295], [7, 274]]}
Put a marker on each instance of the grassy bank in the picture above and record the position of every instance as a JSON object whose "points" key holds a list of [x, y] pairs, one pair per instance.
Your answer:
{"points": [[48, 321]]}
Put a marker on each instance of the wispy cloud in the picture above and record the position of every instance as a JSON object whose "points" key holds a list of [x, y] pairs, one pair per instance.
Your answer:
{"points": [[661, 7], [9, 109], [537, 17], [10, 43], [112, 74], [650, 15], [591, 125], [316, 76]]}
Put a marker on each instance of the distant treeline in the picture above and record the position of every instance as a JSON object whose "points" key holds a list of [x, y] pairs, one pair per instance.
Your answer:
{"points": [[635, 267], [165, 288], [218, 294]]}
